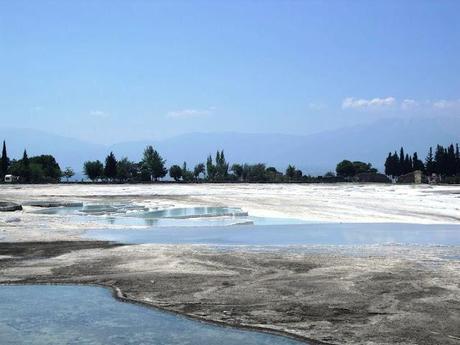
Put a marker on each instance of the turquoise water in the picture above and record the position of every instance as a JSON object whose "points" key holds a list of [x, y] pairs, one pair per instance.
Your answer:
{"points": [[282, 235], [45, 314], [137, 215], [233, 226]]}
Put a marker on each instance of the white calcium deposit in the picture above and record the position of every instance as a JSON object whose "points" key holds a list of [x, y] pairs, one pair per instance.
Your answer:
{"points": [[352, 203]]}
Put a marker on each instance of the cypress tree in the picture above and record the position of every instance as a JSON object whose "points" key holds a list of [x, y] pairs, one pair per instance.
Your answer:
{"points": [[440, 160], [429, 162], [221, 168], [388, 165], [5, 162], [417, 163], [396, 165], [450, 161], [210, 168], [401, 162], [457, 159], [110, 169], [25, 167], [406, 164]]}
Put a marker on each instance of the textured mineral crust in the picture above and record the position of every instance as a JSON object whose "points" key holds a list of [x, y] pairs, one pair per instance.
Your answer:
{"points": [[385, 296]]}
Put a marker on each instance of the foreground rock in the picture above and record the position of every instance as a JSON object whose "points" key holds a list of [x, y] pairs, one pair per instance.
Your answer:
{"points": [[6, 206], [51, 204], [405, 296]]}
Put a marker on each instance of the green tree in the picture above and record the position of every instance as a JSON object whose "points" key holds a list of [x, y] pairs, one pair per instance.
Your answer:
{"points": [[407, 166], [187, 175], [291, 172], [237, 170], [273, 175], [37, 174], [198, 170], [450, 161], [396, 165], [50, 167], [25, 168], [298, 174], [126, 169], [389, 165], [440, 161], [417, 163], [402, 159], [221, 166], [361, 167], [110, 168], [144, 173], [36, 169], [175, 172], [93, 170], [429, 162], [68, 173], [210, 169], [154, 163], [255, 173], [345, 169], [5, 162], [457, 159]]}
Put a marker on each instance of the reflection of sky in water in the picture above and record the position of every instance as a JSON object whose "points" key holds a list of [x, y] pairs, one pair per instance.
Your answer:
{"points": [[43, 314], [303, 234], [138, 215]]}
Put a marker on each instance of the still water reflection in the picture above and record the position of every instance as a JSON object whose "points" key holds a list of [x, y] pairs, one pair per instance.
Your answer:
{"points": [[40, 314]]}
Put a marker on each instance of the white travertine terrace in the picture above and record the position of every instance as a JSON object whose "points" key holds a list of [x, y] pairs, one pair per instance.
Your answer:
{"points": [[366, 203]]}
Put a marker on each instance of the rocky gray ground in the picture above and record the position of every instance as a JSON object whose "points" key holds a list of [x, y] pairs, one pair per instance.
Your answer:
{"points": [[371, 297]]}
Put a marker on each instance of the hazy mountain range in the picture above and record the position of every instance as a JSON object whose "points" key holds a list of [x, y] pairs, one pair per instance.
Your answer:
{"points": [[314, 153]]}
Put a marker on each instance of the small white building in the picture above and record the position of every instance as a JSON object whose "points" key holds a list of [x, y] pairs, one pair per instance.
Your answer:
{"points": [[10, 178]]}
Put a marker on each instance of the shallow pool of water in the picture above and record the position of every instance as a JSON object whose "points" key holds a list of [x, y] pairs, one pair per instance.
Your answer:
{"points": [[282, 235], [138, 215], [46, 314]]}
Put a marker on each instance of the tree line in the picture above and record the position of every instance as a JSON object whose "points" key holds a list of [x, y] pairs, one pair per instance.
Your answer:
{"points": [[445, 162], [36, 169], [152, 167]]}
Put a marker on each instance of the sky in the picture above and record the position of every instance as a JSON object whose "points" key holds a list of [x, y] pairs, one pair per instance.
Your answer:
{"points": [[113, 71]]}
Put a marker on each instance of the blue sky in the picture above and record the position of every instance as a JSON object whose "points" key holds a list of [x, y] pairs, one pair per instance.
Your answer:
{"points": [[110, 71]]}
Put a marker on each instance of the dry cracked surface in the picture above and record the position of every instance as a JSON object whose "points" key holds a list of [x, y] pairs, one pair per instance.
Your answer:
{"points": [[393, 296]]}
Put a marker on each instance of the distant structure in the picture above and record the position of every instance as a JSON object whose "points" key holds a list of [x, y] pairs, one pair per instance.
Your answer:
{"points": [[10, 178], [434, 178], [372, 177], [415, 177]]}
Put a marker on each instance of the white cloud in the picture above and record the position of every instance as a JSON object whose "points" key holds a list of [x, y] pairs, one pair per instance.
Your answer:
{"points": [[98, 113], [187, 113], [428, 105], [444, 104], [409, 104], [368, 104]]}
